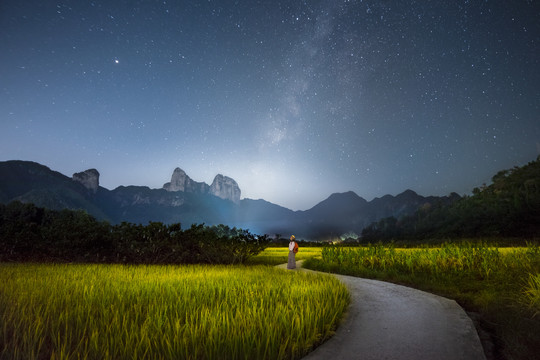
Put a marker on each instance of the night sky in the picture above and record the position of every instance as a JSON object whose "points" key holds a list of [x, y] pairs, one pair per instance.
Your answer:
{"points": [[295, 100]]}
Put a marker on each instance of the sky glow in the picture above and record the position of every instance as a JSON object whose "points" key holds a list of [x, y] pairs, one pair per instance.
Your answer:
{"points": [[295, 100]]}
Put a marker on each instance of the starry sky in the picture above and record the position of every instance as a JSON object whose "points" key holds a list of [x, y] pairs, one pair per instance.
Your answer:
{"points": [[295, 100]]}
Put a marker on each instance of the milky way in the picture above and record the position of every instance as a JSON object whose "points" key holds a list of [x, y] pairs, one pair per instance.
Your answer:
{"points": [[295, 100]]}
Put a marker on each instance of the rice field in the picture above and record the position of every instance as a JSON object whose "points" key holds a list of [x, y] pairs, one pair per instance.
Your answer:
{"points": [[463, 260], [532, 293], [76, 311], [278, 255], [500, 284]]}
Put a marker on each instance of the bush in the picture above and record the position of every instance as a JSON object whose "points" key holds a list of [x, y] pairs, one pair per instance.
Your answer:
{"points": [[29, 233]]}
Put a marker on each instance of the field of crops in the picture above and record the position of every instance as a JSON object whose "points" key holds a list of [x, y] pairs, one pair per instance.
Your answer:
{"points": [[501, 284], [278, 255], [193, 312], [164, 312]]}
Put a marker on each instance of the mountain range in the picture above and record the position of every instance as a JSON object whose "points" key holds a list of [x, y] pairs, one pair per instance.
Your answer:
{"points": [[185, 201]]}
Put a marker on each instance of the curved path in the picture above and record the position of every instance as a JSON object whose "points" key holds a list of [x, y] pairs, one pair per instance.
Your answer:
{"points": [[388, 321]]}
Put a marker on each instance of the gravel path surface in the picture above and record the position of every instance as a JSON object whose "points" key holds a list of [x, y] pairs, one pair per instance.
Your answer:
{"points": [[388, 321]]}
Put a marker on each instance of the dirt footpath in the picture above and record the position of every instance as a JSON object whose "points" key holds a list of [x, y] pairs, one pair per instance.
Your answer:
{"points": [[388, 321]]}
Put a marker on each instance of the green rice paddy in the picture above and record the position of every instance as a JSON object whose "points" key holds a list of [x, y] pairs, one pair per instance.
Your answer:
{"points": [[164, 312]]}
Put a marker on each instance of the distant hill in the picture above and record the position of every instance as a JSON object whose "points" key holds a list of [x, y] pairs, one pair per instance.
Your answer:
{"points": [[30, 182], [349, 213], [338, 214]]}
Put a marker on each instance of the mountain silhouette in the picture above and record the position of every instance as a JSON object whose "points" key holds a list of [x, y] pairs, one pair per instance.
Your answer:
{"points": [[340, 213]]}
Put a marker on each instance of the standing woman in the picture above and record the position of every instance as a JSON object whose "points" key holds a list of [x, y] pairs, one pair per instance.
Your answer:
{"points": [[293, 249]]}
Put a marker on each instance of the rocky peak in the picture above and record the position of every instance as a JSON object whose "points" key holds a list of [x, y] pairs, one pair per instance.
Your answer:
{"points": [[88, 178], [222, 186], [225, 188], [180, 181]]}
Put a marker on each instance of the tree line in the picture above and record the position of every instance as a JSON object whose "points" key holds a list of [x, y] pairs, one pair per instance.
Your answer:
{"points": [[509, 207], [31, 233]]}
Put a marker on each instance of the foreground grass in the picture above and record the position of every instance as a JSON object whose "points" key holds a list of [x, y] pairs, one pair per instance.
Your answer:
{"points": [[164, 312], [503, 286]]}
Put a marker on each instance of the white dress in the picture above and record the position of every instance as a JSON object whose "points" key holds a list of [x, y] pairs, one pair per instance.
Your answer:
{"points": [[291, 263]]}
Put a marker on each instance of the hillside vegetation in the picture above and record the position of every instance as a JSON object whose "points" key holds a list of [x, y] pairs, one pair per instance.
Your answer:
{"points": [[509, 207]]}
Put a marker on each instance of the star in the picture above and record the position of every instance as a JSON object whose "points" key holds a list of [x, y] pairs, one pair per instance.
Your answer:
{"points": [[308, 91]]}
